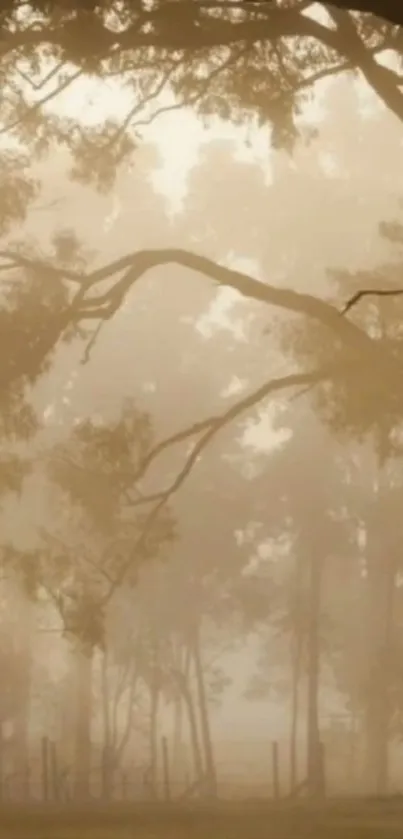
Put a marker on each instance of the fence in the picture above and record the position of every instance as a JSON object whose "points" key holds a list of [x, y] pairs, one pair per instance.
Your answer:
{"points": [[48, 779]]}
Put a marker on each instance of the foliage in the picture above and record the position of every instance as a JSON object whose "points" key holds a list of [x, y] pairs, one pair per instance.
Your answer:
{"points": [[83, 563], [359, 402], [245, 64], [254, 66]]}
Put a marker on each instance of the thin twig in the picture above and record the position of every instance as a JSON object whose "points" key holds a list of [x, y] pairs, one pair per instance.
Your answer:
{"points": [[370, 292]]}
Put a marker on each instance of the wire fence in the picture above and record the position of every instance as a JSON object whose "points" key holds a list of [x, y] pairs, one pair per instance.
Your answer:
{"points": [[48, 777]]}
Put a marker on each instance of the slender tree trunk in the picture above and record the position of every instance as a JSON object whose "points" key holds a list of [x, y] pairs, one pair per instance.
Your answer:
{"points": [[353, 748], [23, 703], [381, 580], [211, 776], [296, 674], [194, 735], [297, 644], [120, 744], [177, 739], [154, 706], [381, 585], [66, 730], [182, 680], [314, 751], [84, 661], [107, 751]]}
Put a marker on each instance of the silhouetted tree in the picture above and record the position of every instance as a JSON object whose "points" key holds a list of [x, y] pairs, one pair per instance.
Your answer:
{"points": [[80, 562]]}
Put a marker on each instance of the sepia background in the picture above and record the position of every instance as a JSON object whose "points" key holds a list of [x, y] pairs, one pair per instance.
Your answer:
{"points": [[222, 621]]}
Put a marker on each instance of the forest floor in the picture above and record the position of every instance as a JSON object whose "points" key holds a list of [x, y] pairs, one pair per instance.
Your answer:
{"points": [[335, 820]]}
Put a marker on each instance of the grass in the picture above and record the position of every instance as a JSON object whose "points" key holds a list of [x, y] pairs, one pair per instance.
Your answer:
{"points": [[335, 820]]}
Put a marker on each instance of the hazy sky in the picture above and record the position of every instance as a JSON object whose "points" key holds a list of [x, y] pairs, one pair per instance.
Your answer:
{"points": [[179, 134], [179, 137]]}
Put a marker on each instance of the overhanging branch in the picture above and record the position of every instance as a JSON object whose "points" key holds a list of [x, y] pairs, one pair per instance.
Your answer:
{"points": [[134, 266], [213, 426], [87, 304]]}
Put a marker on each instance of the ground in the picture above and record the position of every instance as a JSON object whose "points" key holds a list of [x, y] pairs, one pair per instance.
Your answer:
{"points": [[337, 820]]}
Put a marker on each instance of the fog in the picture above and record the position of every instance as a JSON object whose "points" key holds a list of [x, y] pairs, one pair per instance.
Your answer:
{"points": [[208, 622]]}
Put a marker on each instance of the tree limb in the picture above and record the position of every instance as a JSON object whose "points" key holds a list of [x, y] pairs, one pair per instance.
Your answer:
{"points": [[105, 304], [217, 423], [385, 82], [366, 292], [87, 304]]}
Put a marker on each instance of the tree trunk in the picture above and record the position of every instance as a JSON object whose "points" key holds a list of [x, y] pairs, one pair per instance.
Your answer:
{"points": [[182, 681], [211, 776], [296, 674], [178, 745], [297, 645], [82, 768], [194, 735], [120, 744], [23, 701], [177, 739], [154, 705], [107, 750], [380, 588], [314, 751]]}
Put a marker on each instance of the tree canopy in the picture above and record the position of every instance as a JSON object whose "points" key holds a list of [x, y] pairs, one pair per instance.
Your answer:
{"points": [[254, 64], [241, 61]]}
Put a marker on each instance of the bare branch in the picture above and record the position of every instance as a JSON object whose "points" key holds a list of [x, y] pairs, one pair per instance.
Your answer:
{"points": [[31, 109], [91, 343], [173, 440], [18, 260], [105, 305], [47, 78], [367, 292], [138, 107], [216, 425], [87, 304], [196, 97]]}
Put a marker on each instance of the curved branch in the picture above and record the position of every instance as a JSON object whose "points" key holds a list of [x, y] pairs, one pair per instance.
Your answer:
{"points": [[135, 265], [373, 292], [88, 305], [105, 304], [216, 424]]}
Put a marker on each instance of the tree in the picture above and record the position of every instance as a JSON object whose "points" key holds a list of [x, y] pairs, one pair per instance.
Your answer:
{"points": [[217, 63], [80, 564], [303, 529], [350, 405], [255, 60], [354, 38]]}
